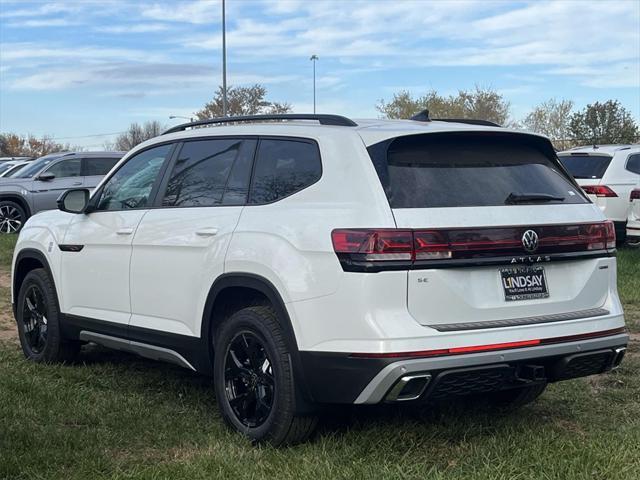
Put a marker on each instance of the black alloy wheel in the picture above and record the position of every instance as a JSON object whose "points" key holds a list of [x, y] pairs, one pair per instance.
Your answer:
{"points": [[34, 318], [249, 381], [12, 217]]}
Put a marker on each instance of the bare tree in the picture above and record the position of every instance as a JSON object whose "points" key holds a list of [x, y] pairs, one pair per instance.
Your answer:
{"points": [[480, 103], [551, 118], [242, 101], [14, 145], [135, 135]]}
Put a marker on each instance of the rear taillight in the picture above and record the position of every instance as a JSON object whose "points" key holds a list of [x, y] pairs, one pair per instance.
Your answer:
{"points": [[599, 191], [387, 249], [635, 195]]}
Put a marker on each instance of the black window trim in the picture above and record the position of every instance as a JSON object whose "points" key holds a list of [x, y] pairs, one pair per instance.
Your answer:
{"points": [[626, 163], [92, 207], [255, 159]]}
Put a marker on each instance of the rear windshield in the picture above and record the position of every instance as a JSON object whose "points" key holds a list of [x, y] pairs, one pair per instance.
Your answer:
{"points": [[586, 166], [469, 170]]}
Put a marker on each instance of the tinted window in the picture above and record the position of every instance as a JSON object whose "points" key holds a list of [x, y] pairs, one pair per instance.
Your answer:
{"points": [[130, 186], [586, 166], [201, 172], [65, 168], [98, 166], [284, 167], [433, 170], [633, 164]]}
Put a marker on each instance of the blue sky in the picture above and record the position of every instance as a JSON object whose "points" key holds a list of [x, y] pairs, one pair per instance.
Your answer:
{"points": [[73, 69]]}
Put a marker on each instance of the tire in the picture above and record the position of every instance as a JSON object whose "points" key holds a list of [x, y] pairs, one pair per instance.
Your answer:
{"points": [[253, 379], [38, 319], [517, 397], [12, 217]]}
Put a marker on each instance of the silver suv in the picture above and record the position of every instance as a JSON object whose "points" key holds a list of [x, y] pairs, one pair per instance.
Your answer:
{"points": [[38, 186]]}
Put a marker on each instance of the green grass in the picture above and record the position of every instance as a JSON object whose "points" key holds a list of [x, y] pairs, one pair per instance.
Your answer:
{"points": [[117, 416]]}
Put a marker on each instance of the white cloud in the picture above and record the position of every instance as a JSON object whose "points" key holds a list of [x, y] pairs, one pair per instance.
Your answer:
{"points": [[196, 12], [135, 28]]}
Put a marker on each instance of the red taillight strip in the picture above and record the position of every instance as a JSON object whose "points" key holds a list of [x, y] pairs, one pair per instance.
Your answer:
{"points": [[490, 347]]}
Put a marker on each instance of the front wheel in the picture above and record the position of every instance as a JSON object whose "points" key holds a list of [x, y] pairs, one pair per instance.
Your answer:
{"points": [[38, 319], [254, 380], [12, 217]]}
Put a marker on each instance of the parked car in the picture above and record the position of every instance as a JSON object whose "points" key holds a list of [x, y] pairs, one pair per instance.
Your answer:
{"points": [[13, 170], [607, 173], [38, 186], [5, 167], [326, 261], [633, 222]]}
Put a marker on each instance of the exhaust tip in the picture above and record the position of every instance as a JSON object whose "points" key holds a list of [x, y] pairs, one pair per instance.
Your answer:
{"points": [[618, 356], [409, 387]]}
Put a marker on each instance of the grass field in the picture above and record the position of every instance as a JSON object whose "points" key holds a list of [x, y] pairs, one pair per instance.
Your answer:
{"points": [[117, 416]]}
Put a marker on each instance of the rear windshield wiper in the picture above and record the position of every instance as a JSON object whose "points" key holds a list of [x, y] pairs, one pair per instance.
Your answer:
{"points": [[515, 198]]}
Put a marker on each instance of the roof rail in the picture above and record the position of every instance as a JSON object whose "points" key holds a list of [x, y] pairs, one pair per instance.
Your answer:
{"points": [[470, 121], [323, 119], [422, 116]]}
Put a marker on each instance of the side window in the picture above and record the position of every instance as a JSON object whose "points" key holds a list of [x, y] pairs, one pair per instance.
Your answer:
{"points": [[633, 164], [66, 168], [284, 167], [98, 166], [130, 186], [201, 172]]}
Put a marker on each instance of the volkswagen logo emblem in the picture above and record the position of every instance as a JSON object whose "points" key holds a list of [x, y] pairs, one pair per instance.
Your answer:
{"points": [[530, 241]]}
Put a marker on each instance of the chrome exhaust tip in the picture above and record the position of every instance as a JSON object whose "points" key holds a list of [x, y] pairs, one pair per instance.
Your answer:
{"points": [[409, 387], [618, 355]]}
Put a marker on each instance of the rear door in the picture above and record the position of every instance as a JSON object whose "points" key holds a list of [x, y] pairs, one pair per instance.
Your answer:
{"points": [[489, 211], [179, 246]]}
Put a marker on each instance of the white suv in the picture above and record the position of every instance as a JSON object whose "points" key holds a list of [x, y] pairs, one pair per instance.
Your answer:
{"points": [[607, 173], [304, 260], [633, 221]]}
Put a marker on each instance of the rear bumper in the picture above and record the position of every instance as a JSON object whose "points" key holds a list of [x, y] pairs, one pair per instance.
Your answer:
{"points": [[340, 378]]}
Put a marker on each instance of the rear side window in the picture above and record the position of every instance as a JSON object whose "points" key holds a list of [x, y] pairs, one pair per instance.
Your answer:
{"points": [[284, 167], [98, 166], [201, 173], [467, 170], [586, 166], [633, 164]]}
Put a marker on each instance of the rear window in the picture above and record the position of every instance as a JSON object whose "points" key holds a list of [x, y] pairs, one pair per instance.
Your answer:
{"points": [[469, 170], [586, 166], [98, 166]]}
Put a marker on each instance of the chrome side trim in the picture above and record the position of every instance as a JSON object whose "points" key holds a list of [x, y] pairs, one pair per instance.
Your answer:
{"points": [[512, 322], [144, 350], [377, 388]]}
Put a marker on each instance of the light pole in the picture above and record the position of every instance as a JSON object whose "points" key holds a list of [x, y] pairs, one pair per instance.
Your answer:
{"points": [[224, 63], [171, 117], [313, 59]]}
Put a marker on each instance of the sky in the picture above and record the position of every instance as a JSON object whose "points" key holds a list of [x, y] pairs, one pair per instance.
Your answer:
{"points": [[81, 71]]}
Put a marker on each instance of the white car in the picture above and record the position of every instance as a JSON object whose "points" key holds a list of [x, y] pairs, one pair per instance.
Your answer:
{"points": [[633, 222], [607, 173], [8, 168], [303, 260]]}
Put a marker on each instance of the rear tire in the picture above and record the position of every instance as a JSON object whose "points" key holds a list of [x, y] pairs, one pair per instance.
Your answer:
{"points": [[253, 379], [12, 217], [38, 319], [517, 397]]}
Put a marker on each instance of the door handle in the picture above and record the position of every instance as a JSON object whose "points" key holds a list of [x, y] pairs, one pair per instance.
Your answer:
{"points": [[207, 232], [124, 231]]}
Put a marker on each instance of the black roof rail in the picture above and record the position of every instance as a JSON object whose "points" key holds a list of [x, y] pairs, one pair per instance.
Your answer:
{"points": [[322, 118], [470, 121]]}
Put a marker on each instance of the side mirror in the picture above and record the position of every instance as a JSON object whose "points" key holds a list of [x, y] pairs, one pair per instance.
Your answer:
{"points": [[74, 201], [45, 177]]}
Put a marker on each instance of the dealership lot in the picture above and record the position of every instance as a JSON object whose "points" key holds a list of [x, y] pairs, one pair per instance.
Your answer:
{"points": [[118, 416]]}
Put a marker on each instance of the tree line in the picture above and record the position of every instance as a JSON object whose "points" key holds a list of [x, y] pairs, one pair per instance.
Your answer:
{"points": [[597, 123]]}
